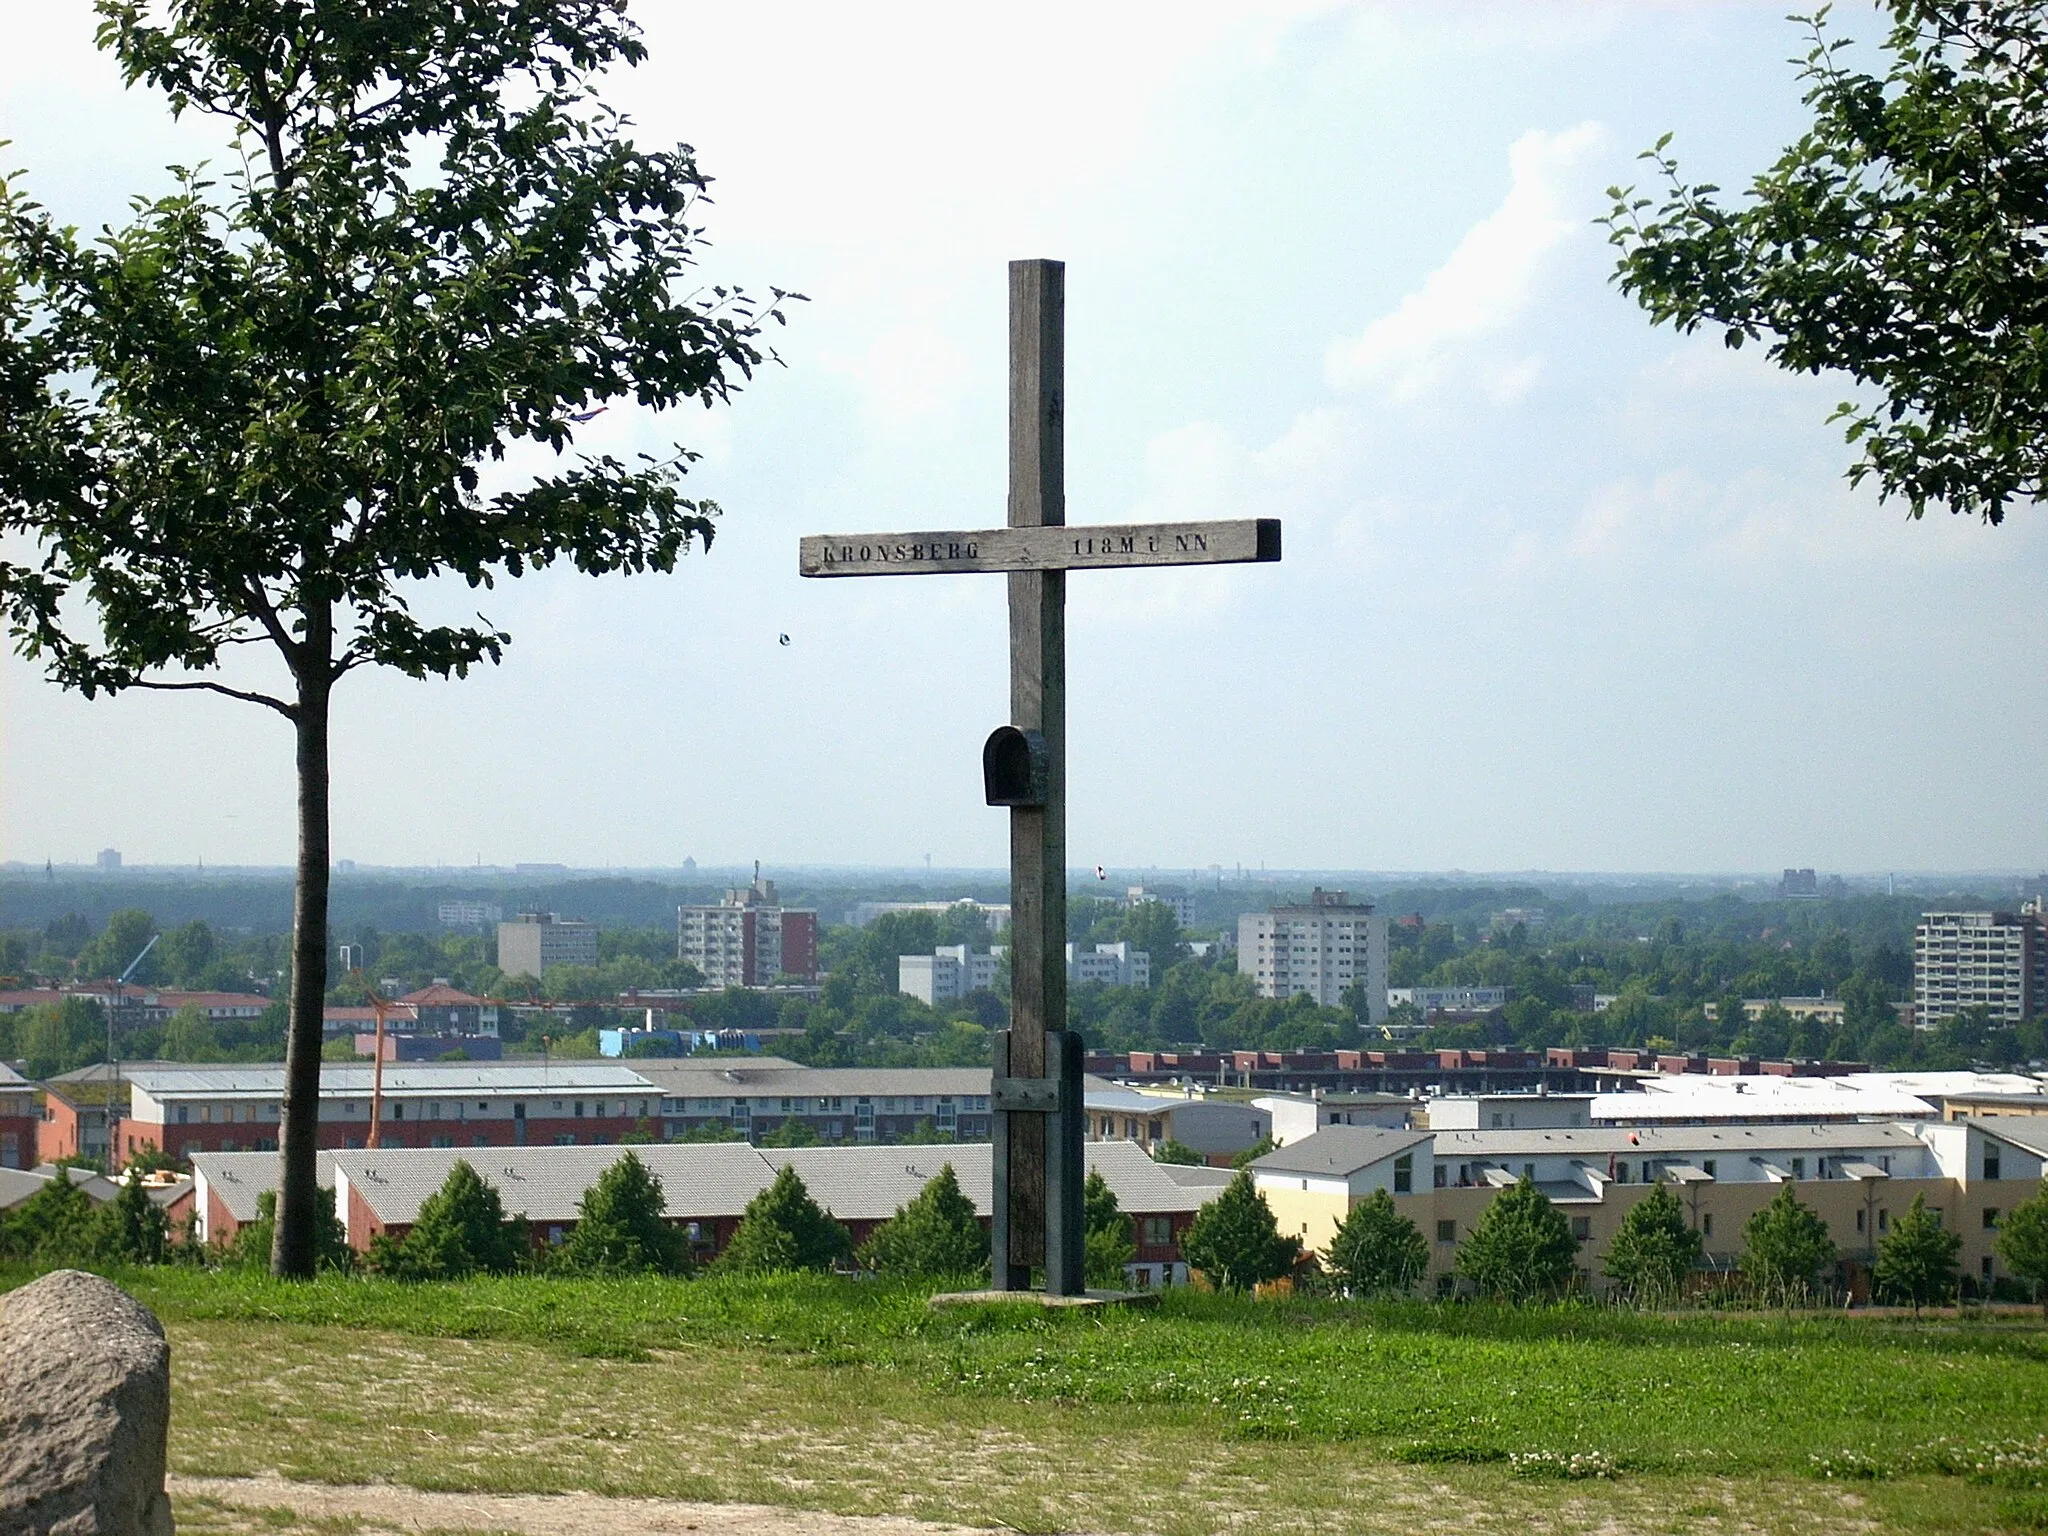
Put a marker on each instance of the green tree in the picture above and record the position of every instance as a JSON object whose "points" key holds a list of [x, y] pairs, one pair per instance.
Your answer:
{"points": [[784, 1228], [1252, 1153], [189, 1036], [1916, 1261], [1784, 1247], [131, 1227], [1377, 1251], [935, 1235], [252, 1241], [1107, 1244], [1521, 1248], [620, 1228], [266, 407], [2023, 1243], [461, 1230], [58, 1037], [129, 931], [1234, 1241], [1654, 1249], [55, 1225], [189, 952], [1171, 1151], [791, 1132], [1898, 242]]}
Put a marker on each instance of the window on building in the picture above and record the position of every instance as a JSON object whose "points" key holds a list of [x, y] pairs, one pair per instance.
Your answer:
{"points": [[1884, 1221], [1582, 1228], [1443, 1176], [1529, 1172], [1990, 1218], [1798, 1167], [398, 1111], [1621, 1171], [1404, 1173], [1991, 1160], [1707, 1167], [1859, 1221], [1707, 1224], [1156, 1231], [1447, 1231]]}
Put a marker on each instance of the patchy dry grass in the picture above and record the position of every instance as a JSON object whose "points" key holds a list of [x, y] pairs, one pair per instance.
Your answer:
{"points": [[746, 1424]]}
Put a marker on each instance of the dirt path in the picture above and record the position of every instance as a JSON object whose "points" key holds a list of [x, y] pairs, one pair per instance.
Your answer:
{"points": [[228, 1504]]}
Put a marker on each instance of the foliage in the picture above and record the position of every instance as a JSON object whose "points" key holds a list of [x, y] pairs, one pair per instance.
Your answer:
{"points": [[133, 1227], [1106, 1233], [1253, 1153], [1654, 1248], [54, 1226], [2023, 1242], [792, 1132], [1521, 1248], [189, 1036], [1171, 1151], [461, 1230], [1916, 1260], [935, 1235], [60, 1037], [1785, 1246], [1377, 1251], [783, 1228], [1234, 1240], [620, 1228], [252, 1241], [1897, 241], [710, 1130], [266, 408]]}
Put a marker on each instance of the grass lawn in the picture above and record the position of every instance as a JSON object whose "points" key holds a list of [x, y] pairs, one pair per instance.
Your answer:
{"points": [[1206, 1414]]}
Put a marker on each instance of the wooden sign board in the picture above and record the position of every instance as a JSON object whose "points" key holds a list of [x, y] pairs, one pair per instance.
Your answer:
{"points": [[1060, 548]]}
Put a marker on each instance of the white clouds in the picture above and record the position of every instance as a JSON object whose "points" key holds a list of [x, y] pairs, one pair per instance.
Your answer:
{"points": [[1487, 283]]}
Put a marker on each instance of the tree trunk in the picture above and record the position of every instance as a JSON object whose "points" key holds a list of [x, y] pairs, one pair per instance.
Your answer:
{"points": [[293, 1250]]}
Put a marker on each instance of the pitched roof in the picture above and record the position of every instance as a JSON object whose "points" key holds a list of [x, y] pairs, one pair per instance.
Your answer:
{"points": [[740, 1077], [409, 1079], [2029, 1131], [706, 1180], [441, 995], [9, 1078], [237, 1178], [1338, 1150]]}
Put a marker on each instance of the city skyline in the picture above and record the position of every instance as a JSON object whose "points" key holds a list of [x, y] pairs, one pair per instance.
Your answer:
{"points": [[1561, 592]]}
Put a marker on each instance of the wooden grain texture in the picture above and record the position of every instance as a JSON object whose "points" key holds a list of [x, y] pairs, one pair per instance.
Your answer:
{"points": [[1038, 702], [940, 552]]}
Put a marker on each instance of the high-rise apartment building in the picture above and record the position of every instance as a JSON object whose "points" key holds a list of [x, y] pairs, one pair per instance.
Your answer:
{"points": [[1320, 949], [749, 939], [533, 941], [1993, 960], [949, 972], [1113, 965]]}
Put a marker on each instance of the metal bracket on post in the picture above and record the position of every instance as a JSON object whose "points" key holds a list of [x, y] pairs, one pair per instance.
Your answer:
{"points": [[1066, 1255]]}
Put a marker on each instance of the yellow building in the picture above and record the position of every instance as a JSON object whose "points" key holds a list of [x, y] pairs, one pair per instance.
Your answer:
{"points": [[1856, 1177]]}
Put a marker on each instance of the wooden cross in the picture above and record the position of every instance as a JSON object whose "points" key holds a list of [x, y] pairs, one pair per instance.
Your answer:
{"points": [[1035, 1101]]}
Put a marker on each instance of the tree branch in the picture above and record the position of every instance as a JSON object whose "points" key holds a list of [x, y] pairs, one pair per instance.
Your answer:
{"points": [[290, 712]]}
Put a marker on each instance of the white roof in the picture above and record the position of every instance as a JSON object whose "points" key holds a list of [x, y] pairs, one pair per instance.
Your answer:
{"points": [[410, 1080], [706, 1180], [1824, 1100], [237, 1178], [1662, 1140]]}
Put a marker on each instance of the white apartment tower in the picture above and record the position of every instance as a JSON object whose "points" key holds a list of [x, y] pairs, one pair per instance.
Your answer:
{"points": [[1320, 949], [749, 939], [1993, 960]]}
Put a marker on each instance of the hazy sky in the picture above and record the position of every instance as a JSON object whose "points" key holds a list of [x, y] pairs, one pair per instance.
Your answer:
{"points": [[1560, 591]]}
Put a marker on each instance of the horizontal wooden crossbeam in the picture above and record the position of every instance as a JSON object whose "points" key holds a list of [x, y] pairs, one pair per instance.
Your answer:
{"points": [[1244, 541]]}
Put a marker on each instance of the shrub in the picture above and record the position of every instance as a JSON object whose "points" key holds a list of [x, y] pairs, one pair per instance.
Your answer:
{"points": [[620, 1228], [461, 1230], [53, 1226], [2023, 1243], [1521, 1247], [1234, 1241], [1654, 1249], [251, 1245], [1784, 1246], [1378, 1251], [935, 1235], [1106, 1238], [1171, 1151], [784, 1228], [791, 1133], [131, 1228], [1916, 1262]]}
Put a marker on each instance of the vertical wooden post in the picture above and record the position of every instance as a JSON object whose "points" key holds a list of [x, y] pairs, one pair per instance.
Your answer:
{"points": [[1038, 703]]}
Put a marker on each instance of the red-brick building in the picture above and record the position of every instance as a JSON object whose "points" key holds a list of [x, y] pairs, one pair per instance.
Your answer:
{"points": [[185, 1110], [21, 1120]]}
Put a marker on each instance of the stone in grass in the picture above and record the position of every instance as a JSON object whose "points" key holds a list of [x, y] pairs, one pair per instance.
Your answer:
{"points": [[85, 1405]]}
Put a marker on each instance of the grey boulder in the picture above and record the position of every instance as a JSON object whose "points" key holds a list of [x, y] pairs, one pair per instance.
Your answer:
{"points": [[85, 1405]]}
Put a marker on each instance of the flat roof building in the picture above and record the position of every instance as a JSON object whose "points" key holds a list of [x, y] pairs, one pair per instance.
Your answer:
{"points": [[533, 941], [1319, 950]]}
